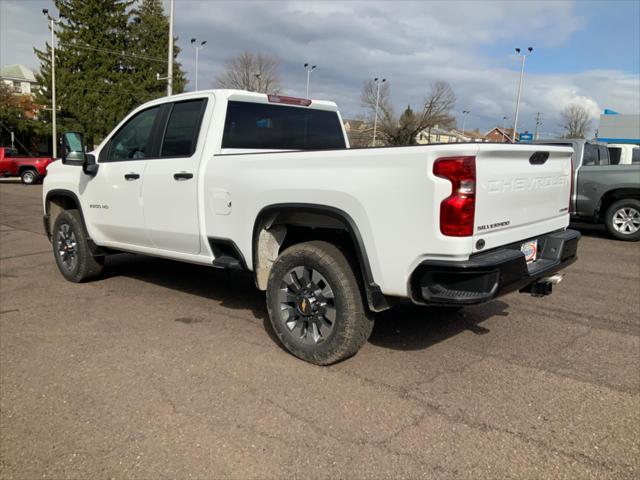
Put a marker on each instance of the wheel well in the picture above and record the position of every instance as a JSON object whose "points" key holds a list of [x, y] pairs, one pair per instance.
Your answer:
{"points": [[278, 228], [22, 168], [613, 196], [55, 205]]}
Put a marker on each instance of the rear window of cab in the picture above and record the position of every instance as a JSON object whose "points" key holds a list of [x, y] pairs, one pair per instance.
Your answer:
{"points": [[278, 127]]}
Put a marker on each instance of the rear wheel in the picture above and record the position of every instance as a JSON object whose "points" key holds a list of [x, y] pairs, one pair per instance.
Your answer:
{"points": [[71, 250], [315, 304], [29, 176], [623, 219]]}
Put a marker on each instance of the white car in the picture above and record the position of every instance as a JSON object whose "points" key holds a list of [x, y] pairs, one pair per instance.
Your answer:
{"points": [[267, 184]]}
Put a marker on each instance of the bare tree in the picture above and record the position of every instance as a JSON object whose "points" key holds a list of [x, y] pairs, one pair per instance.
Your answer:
{"points": [[403, 130], [576, 121], [251, 71]]}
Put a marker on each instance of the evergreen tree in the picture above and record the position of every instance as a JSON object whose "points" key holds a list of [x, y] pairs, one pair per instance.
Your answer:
{"points": [[148, 40], [103, 66], [91, 79]]}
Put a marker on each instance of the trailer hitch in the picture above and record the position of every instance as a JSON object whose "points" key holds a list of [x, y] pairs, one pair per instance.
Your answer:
{"points": [[543, 286]]}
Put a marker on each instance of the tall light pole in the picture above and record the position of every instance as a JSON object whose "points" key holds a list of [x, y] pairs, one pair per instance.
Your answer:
{"points": [[54, 133], [465, 114], [194, 44], [170, 55], [378, 83], [523, 56], [504, 126], [309, 69]]}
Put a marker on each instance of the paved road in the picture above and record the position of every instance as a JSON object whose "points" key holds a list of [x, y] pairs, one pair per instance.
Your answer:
{"points": [[166, 370]]}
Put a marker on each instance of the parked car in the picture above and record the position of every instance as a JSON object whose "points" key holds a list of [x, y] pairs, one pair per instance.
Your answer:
{"points": [[31, 170], [604, 193], [267, 184], [623, 154]]}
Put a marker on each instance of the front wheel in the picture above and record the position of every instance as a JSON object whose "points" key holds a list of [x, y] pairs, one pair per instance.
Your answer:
{"points": [[315, 304], [623, 219], [71, 250], [29, 177]]}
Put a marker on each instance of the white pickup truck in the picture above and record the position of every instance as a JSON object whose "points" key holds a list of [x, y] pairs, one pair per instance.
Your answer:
{"points": [[267, 184]]}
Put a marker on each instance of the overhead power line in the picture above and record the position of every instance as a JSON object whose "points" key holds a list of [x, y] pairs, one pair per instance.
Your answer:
{"points": [[107, 50]]}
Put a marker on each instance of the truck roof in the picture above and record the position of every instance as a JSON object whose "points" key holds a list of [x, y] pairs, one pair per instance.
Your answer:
{"points": [[243, 96]]}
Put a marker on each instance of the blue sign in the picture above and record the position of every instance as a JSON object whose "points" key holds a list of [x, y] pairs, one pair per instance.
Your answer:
{"points": [[526, 137]]}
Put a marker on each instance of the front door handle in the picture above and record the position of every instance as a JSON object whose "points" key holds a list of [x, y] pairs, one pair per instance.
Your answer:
{"points": [[131, 176], [182, 176]]}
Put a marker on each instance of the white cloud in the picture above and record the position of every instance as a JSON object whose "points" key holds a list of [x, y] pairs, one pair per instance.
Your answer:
{"points": [[410, 43]]}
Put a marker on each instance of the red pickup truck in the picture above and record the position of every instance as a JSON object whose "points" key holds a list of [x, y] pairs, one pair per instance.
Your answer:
{"points": [[30, 169]]}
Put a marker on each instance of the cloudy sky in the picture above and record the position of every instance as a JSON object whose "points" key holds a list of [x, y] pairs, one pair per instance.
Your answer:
{"points": [[584, 51]]}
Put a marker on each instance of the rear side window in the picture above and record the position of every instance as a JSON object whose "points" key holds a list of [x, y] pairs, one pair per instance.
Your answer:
{"points": [[278, 127], [614, 155], [181, 134], [595, 154], [635, 155]]}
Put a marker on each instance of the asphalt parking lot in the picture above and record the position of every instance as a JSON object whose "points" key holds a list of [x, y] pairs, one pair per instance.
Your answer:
{"points": [[167, 370]]}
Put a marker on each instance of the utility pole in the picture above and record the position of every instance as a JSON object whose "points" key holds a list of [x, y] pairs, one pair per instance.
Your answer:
{"points": [[538, 124], [309, 69], [378, 82], [523, 56], [170, 59], [54, 132]]}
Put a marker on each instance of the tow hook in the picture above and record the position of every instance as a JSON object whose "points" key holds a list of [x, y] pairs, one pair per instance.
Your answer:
{"points": [[542, 286]]}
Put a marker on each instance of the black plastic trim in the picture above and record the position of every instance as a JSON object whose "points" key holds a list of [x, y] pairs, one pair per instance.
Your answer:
{"points": [[225, 247], [375, 298], [487, 275]]}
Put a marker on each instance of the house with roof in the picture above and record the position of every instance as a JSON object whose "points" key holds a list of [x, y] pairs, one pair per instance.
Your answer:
{"points": [[359, 132], [437, 134], [498, 134], [20, 78]]}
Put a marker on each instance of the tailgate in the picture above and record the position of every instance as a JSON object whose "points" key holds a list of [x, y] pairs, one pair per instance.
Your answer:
{"points": [[521, 191]]}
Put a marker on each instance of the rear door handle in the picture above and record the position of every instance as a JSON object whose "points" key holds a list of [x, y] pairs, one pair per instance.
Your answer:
{"points": [[182, 176], [131, 176]]}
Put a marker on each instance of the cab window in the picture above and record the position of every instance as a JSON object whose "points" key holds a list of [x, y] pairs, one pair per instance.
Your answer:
{"points": [[134, 141], [181, 135]]}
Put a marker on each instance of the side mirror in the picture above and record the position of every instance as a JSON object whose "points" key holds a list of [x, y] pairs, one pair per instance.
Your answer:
{"points": [[72, 148], [73, 153]]}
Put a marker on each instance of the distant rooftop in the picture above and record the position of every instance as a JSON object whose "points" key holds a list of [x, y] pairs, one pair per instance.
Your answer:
{"points": [[17, 72]]}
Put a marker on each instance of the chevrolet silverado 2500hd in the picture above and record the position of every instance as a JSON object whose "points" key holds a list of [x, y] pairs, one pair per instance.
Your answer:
{"points": [[267, 184]]}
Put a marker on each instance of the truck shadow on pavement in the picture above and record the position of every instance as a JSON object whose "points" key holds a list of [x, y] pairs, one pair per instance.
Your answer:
{"points": [[403, 327], [591, 230]]}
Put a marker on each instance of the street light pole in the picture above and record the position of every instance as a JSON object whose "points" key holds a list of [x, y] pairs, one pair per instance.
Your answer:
{"points": [[504, 126], [309, 69], [197, 48], [170, 55], [54, 132], [523, 56], [378, 82], [465, 113]]}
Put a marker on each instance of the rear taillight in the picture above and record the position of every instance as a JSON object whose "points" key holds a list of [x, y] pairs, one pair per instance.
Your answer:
{"points": [[458, 209]]}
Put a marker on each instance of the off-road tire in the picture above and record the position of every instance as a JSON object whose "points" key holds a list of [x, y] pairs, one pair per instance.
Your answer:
{"points": [[86, 266], [353, 322], [628, 204], [29, 176]]}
